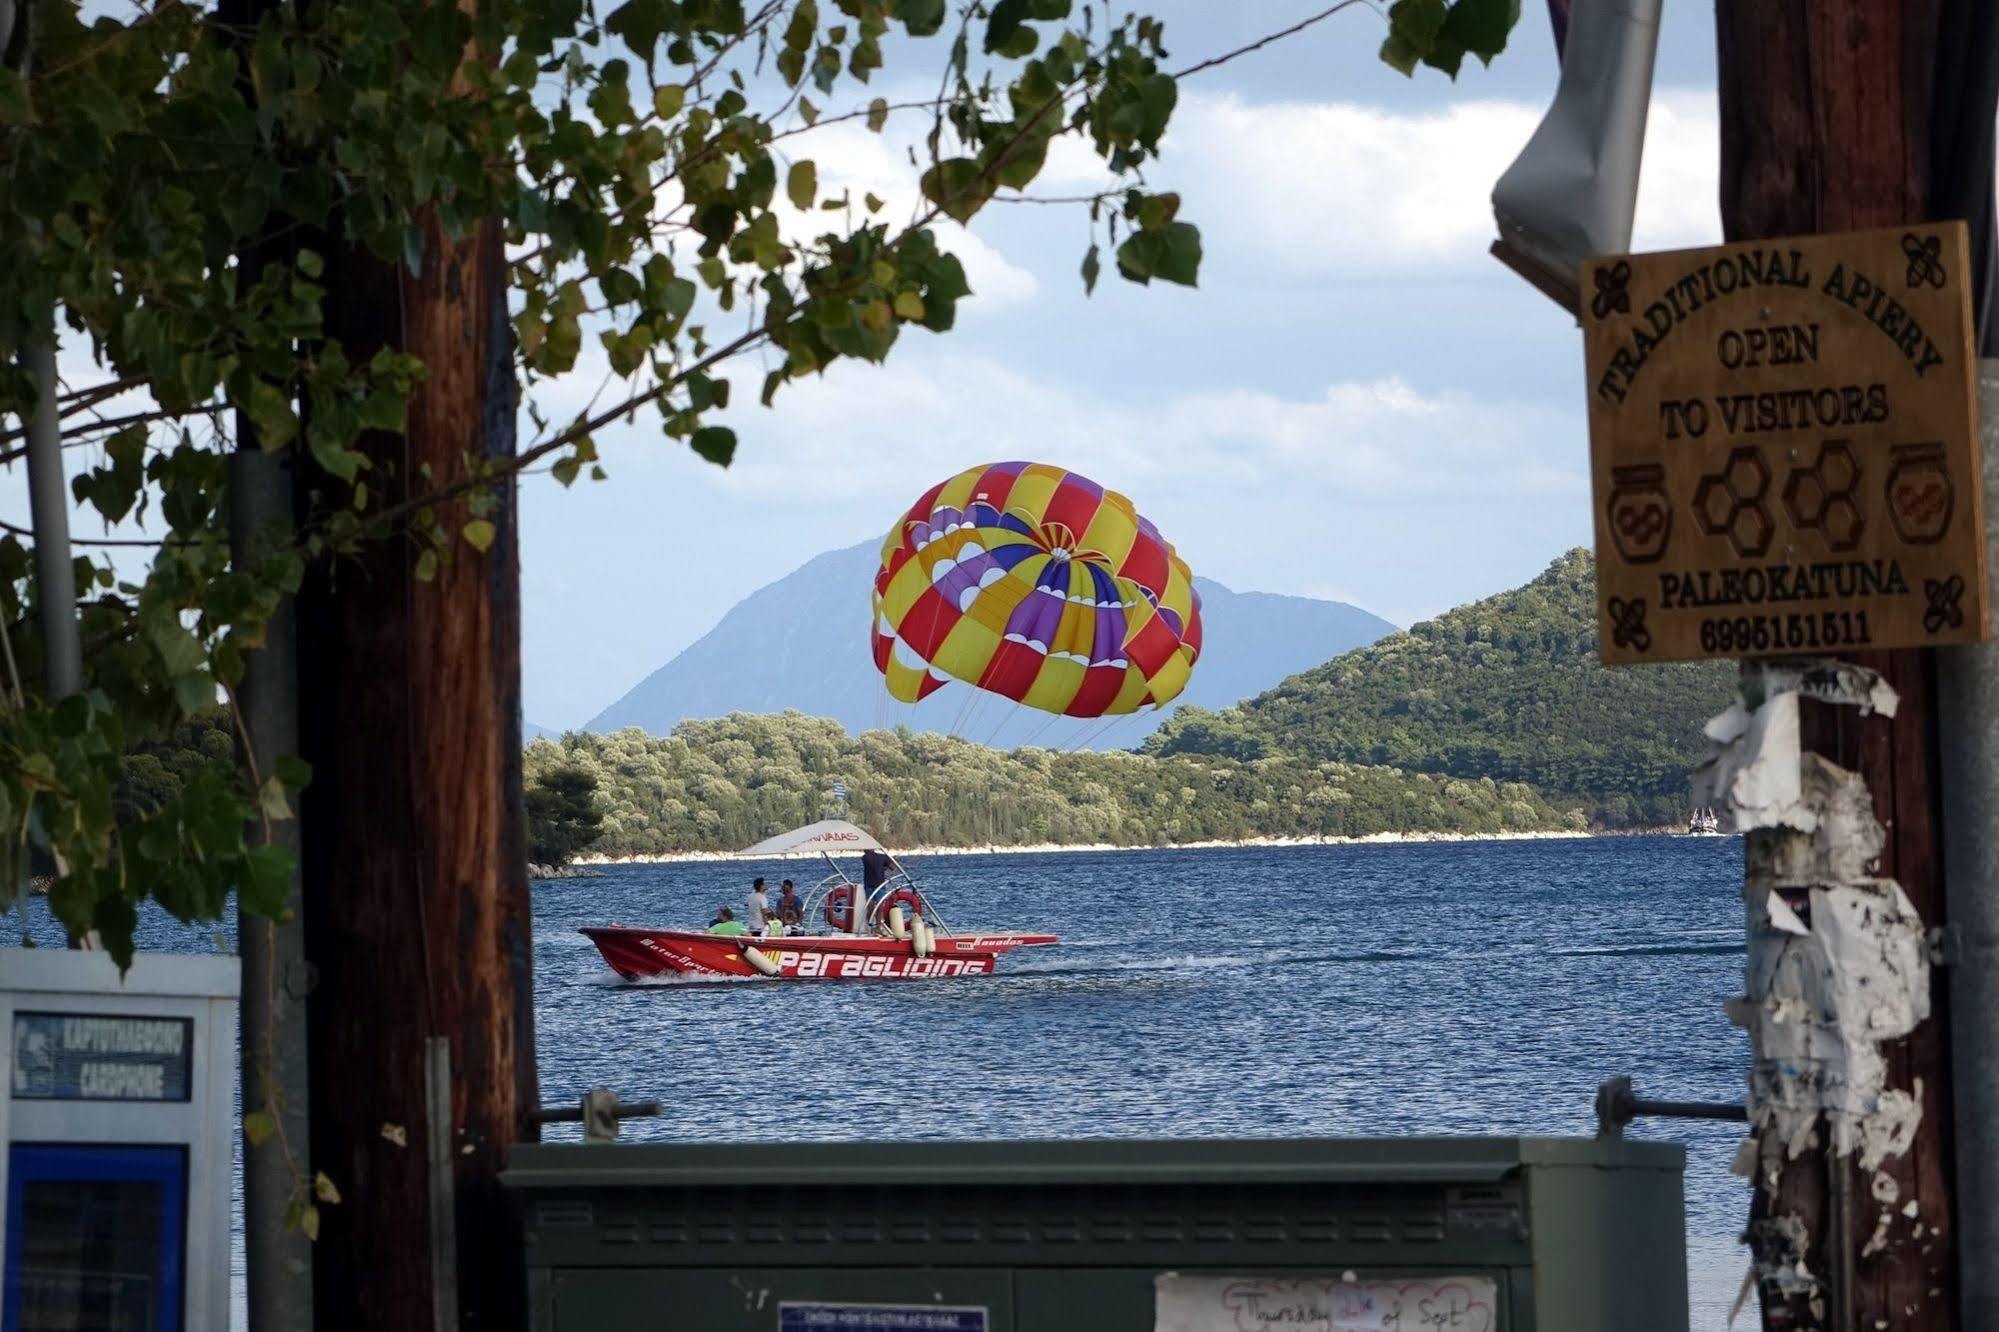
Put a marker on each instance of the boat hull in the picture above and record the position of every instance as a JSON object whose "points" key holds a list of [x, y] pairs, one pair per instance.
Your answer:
{"points": [[637, 954]]}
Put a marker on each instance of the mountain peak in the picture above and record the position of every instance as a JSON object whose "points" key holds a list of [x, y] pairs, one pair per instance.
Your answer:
{"points": [[802, 643]]}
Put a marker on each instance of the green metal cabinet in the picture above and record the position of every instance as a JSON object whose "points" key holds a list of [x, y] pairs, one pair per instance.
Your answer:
{"points": [[1574, 1235]]}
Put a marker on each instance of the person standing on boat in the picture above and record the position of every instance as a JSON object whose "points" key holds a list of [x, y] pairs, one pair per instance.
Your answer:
{"points": [[726, 923], [790, 909], [759, 907]]}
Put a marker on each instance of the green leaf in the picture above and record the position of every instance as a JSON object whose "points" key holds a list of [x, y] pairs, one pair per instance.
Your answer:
{"points": [[1171, 254], [667, 100], [802, 185], [922, 18], [426, 566], [717, 444], [270, 411], [294, 771], [258, 1126], [479, 534], [323, 1189], [956, 186], [1481, 26], [804, 25], [310, 264], [640, 23], [1156, 210], [1440, 34], [909, 305], [273, 800], [1180, 260], [1418, 22], [877, 114], [383, 410], [265, 889], [1003, 24], [1092, 265], [17, 109]]}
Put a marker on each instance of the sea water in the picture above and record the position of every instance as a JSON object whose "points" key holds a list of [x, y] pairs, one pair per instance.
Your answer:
{"points": [[1471, 987]]}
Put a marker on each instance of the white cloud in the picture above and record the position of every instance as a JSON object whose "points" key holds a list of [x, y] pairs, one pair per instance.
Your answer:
{"points": [[1320, 190], [862, 432]]}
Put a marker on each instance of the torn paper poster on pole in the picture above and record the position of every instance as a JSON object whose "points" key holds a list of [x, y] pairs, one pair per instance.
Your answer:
{"points": [[1838, 959], [1822, 997]]}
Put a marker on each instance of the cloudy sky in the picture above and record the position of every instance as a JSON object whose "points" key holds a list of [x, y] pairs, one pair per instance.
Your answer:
{"points": [[1358, 402]]}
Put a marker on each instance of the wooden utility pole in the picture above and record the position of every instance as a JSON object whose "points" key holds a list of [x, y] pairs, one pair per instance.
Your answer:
{"points": [[415, 853], [1825, 114]]}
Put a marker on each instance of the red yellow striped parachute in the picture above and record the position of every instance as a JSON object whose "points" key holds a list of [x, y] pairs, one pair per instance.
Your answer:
{"points": [[1037, 584]]}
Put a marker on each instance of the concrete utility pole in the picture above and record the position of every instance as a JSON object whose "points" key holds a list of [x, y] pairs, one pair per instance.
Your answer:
{"points": [[1825, 116], [415, 850], [277, 1255]]}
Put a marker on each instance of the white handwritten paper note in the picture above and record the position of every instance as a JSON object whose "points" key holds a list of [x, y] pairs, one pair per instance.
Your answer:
{"points": [[1324, 1304]]}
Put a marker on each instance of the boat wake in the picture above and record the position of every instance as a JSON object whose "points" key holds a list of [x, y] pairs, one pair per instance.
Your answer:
{"points": [[1201, 962], [1656, 950]]}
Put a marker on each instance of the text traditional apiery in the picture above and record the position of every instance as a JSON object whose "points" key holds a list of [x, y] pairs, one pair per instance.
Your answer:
{"points": [[1783, 446]]}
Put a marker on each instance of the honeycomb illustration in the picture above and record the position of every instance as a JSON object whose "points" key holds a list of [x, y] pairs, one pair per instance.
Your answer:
{"points": [[1821, 496], [1730, 503]]}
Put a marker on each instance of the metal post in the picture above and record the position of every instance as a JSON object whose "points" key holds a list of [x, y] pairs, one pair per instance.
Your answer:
{"points": [[277, 1256], [1968, 709], [48, 503], [443, 1181]]}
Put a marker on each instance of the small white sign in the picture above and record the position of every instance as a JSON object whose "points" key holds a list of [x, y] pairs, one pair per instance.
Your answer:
{"points": [[1324, 1304]]}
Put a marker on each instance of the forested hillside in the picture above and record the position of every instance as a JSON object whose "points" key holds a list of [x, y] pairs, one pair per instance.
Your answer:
{"points": [[1508, 688], [722, 784]]}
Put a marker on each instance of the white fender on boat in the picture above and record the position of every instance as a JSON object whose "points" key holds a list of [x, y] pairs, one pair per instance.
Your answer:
{"points": [[761, 960], [898, 924], [924, 936]]}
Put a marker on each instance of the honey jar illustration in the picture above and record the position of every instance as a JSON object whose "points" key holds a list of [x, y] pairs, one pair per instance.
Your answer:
{"points": [[1920, 493], [1640, 513]]}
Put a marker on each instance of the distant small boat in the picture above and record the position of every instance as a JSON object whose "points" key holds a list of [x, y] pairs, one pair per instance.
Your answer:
{"points": [[1703, 823], [882, 927]]}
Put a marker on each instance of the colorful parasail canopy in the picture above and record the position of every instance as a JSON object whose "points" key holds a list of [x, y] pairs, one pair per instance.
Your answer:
{"points": [[1037, 584]]}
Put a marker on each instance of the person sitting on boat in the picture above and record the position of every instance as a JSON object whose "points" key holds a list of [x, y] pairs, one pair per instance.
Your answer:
{"points": [[790, 909], [758, 907], [726, 923]]}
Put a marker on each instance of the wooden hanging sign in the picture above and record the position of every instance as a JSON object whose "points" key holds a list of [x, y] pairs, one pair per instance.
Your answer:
{"points": [[1784, 447]]}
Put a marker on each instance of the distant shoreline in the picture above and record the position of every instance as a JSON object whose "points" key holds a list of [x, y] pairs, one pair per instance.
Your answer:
{"points": [[1047, 848]]}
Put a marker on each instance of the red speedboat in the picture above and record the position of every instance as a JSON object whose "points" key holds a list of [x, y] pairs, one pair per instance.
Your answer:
{"points": [[880, 927]]}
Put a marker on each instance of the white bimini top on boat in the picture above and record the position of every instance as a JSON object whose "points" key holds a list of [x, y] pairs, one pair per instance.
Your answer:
{"points": [[828, 835]]}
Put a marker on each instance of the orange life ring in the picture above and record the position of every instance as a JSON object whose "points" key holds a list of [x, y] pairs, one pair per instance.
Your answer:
{"points": [[839, 909], [907, 898]]}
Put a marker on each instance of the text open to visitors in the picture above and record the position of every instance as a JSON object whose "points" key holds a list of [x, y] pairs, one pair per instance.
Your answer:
{"points": [[1784, 446]]}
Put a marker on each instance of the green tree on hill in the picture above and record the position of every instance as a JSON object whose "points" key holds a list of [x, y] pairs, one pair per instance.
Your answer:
{"points": [[563, 818]]}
